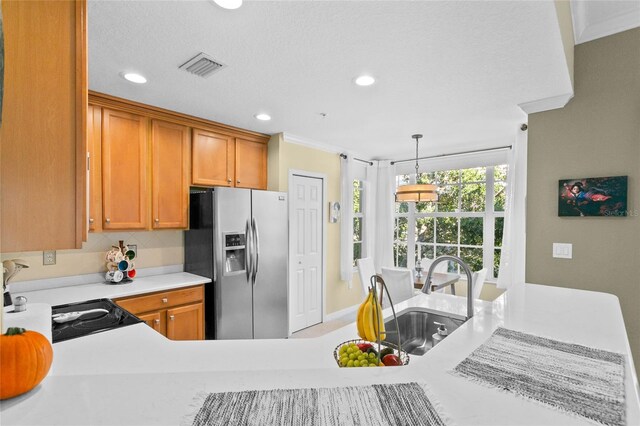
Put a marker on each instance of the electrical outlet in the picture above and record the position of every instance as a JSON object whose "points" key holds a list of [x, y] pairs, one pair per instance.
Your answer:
{"points": [[49, 257]]}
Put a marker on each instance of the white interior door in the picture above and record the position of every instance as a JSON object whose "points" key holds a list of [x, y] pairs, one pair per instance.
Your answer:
{"points": [[306, 195]]}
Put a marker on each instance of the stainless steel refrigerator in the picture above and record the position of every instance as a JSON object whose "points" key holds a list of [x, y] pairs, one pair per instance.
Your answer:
{"points": [[239, 239]]}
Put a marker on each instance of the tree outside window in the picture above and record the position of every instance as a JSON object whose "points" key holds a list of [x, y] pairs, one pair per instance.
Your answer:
{"points": [[466, 221], [358, 220]]}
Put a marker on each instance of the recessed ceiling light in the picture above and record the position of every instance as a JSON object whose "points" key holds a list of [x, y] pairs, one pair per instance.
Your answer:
{"points": [[365, 80], [228, 4], [263, 117], [134, 78]]}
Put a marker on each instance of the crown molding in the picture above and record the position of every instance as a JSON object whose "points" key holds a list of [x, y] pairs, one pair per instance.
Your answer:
{"points": [[586, 28], [546, 104], [310, 143]]}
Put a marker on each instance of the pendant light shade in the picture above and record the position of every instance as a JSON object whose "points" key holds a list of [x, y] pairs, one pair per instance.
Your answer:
{"points": [[417, 192]]}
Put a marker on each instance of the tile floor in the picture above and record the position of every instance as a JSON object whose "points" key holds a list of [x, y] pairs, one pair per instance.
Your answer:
{"points": [[324, 328]]}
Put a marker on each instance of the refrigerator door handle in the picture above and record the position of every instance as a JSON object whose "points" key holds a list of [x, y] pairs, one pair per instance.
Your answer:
{"points": [[248, 263], [256, 248]]}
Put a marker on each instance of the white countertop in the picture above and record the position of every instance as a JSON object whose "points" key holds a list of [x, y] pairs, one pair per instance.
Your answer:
{"points": [[135, 376], [81, 293]]}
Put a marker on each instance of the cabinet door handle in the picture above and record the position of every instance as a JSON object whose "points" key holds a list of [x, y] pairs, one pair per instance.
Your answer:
{"points": [[172, 317], [228, 180], [156, 321], [90, 220], [165, 300], [107, 220], [157, 220], [238, 181]]}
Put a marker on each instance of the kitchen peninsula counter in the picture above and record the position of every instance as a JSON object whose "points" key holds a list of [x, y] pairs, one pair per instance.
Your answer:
{"points": [[134, 376]]}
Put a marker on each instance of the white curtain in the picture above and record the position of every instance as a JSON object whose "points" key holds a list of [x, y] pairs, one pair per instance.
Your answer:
{"points": [[346, 219], [384, 221], [512, 255]]}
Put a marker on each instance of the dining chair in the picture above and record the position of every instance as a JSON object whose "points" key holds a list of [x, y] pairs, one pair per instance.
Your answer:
{"points": [[399, 282], [426, 262], [366, 270], [478, 278]]}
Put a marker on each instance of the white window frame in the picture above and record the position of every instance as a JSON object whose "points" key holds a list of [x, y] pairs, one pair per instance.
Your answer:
{"points": [[489, 217]]}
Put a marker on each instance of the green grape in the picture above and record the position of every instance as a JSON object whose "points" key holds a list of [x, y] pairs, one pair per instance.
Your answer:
{"points": [[364, 364], [352, 356], [349, 350], [356, 363], [359, 352], [343, 349], [372, 365], [361, 357], [350, 364], [344, 360]]}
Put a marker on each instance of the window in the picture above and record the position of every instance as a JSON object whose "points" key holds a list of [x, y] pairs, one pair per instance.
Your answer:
{"points": [[358, 219], [467, 220]]}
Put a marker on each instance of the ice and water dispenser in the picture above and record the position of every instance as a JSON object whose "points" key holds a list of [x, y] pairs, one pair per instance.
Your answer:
{"points": [[234, 253]]}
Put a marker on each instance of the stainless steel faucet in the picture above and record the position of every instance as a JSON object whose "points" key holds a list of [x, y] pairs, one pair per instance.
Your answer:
{"points": [[426, 288]]}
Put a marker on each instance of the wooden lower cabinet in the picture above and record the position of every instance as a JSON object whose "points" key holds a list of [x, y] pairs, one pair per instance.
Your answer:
{"points": [[156, 321], [186, 322], [176, 314]]}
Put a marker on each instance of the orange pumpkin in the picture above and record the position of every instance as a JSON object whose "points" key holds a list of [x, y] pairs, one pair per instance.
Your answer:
{"points": [[25, 359]]}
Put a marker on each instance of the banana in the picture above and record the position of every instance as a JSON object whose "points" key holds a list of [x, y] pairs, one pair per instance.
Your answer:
{"points": [[378, 326], [359, 318], [367, 320]]}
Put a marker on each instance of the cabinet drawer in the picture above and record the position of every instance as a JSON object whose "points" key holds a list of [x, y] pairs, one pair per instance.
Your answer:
{"points": [[162, 299]]}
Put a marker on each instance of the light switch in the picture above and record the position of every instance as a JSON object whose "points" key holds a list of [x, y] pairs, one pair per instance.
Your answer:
{"points": [[563, 250]]}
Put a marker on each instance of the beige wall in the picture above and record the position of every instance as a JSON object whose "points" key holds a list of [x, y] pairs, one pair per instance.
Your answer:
{"points": [[285, 156], [157, 248], [596, 134]]}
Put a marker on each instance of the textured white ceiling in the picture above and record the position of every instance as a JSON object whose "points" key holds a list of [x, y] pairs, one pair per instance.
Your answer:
{"points": [[454, 71]]}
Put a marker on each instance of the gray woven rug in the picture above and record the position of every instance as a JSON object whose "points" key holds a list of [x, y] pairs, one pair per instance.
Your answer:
{"points": [[384, 405], [580, 380]]}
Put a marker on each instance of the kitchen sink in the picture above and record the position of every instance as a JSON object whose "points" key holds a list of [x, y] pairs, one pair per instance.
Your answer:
{"points": [[417, 328]]}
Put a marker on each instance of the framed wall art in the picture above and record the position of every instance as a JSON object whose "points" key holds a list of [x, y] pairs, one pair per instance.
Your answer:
{"points": [[599, 196]]}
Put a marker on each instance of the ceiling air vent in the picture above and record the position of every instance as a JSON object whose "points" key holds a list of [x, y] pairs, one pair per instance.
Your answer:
{"points": [[202, 65]]}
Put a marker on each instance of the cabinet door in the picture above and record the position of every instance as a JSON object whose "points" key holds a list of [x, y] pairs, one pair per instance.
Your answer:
{"points": [[124, 170], [212, 158], [155, 320], [186, 322], [251, 164], [43, 132], [94, 143], [170, 174]]}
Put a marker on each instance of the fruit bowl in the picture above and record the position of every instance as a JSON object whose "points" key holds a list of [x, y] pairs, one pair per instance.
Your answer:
{"points": [[404, 357]]}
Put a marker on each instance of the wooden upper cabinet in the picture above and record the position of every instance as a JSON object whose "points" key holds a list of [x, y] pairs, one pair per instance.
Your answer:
{"points": [[212, 159], [124, 170], [43, 133], [94, 147], [251, 164], [170, 174]]}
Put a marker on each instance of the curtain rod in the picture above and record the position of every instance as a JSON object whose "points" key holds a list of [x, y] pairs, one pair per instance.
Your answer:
{"points": [[358, 159], [499, 148]]}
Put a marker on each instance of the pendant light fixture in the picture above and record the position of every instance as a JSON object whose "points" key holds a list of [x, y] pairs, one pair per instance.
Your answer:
{"points": [[418, 192]]}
